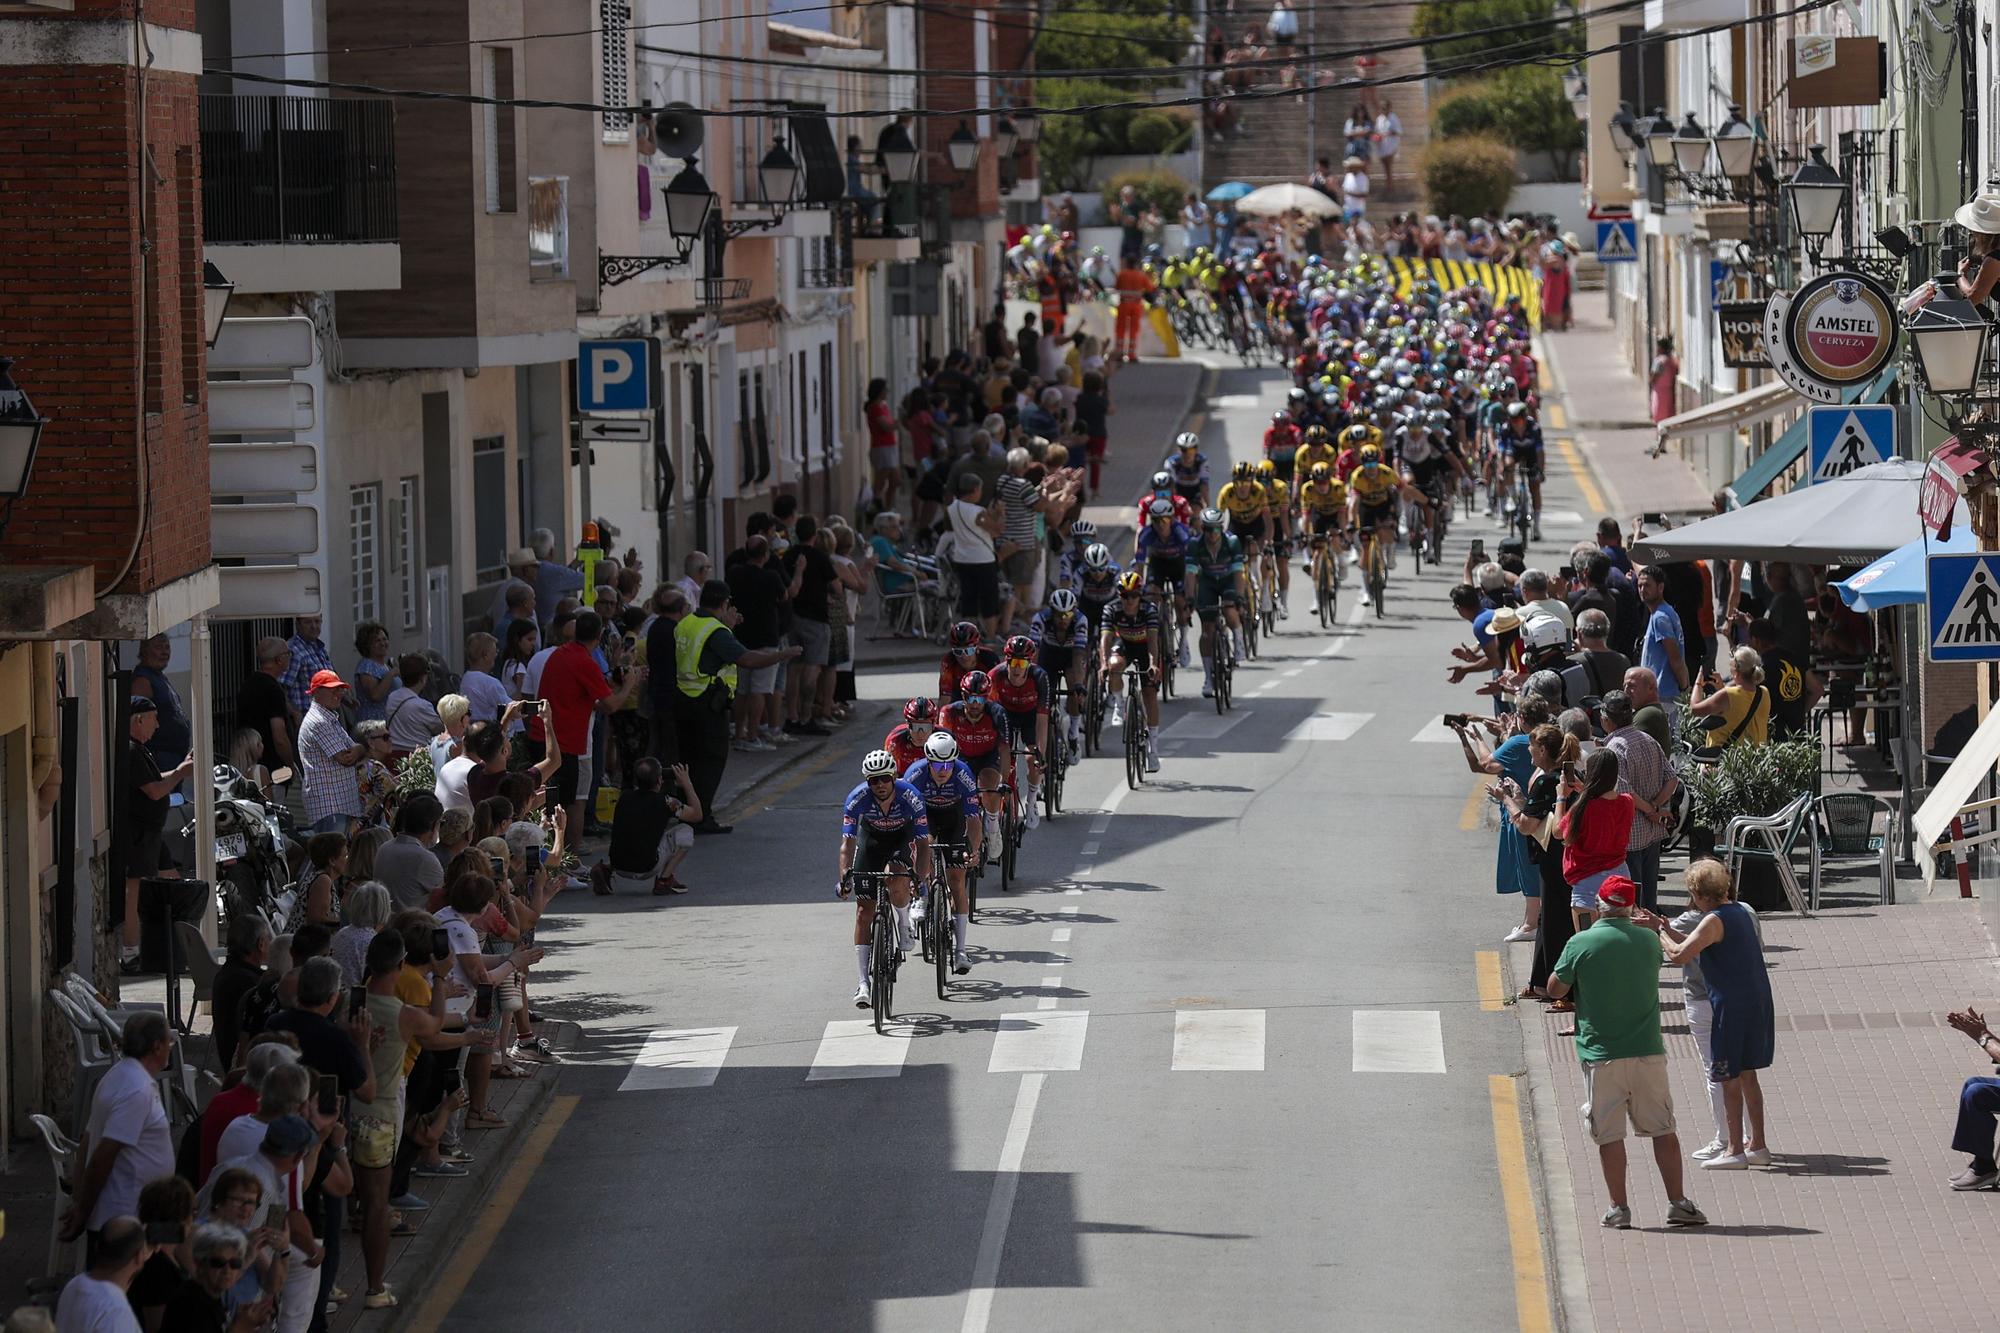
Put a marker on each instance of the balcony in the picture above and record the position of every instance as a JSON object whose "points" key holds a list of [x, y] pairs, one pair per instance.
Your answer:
{"points": [[299, 193]]}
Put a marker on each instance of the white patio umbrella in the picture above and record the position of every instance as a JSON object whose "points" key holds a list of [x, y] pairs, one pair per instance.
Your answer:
{"points": [[1865, 514], [1287, 197]]}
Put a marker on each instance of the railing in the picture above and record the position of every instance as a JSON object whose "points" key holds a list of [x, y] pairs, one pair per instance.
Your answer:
{"points": [[298, 170], [829, 260]]}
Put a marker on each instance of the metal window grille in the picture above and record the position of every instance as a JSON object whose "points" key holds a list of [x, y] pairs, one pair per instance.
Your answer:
{"points": [[364, 557], [615, 59], [409, 580]]}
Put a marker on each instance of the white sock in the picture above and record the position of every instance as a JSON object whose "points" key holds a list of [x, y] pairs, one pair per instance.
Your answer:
{"points": [[861, 960], [903, 920], [958, 925], [992, 829]]}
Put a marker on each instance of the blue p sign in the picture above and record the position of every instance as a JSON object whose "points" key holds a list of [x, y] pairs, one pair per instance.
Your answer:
{"points": [[614, 375]]}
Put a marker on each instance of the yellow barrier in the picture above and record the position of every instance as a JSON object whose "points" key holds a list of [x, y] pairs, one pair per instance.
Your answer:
{"points": [[1502, 281]]}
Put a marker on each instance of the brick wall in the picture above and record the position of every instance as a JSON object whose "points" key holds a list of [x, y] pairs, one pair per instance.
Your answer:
{"points": [[84, 319], [946, 42]]}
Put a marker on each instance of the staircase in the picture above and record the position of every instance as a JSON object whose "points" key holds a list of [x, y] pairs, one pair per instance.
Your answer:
{"points": [[1278, 137]]}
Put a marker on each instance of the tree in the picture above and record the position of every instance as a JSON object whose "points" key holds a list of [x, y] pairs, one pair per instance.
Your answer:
{"points": [[1459, 33], [1525, 106], [1102, 34]]}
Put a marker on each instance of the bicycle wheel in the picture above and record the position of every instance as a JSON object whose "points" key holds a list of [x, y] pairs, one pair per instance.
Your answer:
{"points": [[1249, 631], [1133, 724], [1169, 656], [882, 966], [1010, 845], [939, 917], [1219, 677]]}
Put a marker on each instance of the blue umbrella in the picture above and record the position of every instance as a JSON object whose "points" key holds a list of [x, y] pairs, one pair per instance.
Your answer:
{"points": [[1229, 192], [1897, 579]]}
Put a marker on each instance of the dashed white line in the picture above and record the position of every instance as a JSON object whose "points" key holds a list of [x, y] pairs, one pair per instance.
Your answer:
{"points": [[1089, 848], [1000, 1206], [1060, 935], [1070, 909]]}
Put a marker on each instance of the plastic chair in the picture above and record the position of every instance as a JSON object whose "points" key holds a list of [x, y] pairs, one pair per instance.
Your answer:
{"points": [[1772, 838], [1848, 821], [93, 1057], [900, 611], [202, 963], [62, 1156]]}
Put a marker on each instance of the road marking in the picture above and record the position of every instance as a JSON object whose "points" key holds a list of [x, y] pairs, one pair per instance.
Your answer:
{"points": [[1070, 909], [1219, 1039], [1000, 1206], [1073, 893], [1100, 824], [1592, 498], [1398, 1041], [1492, 994], [1562, 518], [1474, 810], [1060, 935], [1267, 685], [443, 1291], [1287, 675], [679, 1058], [1203, 726], [1052, 982], [852, 1048], [1435, 732], [1089, 848], [1328, 727], [1524, 1236], [1558, 418], [1039, 1042]]}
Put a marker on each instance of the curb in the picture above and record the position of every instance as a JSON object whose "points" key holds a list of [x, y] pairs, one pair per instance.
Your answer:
{"points": [[869, 713], [1562, 1240]]}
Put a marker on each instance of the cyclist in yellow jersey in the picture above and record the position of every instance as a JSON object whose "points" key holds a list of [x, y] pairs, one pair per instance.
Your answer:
{"points": [[1316, 449], [1374, 488], [1248, 506], [1279, 496], [1322, 502]]}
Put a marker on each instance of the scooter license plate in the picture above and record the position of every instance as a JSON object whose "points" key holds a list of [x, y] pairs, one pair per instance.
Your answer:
{"points": [[230, 847]]}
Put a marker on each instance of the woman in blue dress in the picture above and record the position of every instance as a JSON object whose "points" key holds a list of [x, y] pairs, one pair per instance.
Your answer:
{"points": [[1739, 991], [1511, 759]]}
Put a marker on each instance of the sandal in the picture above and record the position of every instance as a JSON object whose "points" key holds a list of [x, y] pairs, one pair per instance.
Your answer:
{"points": [[1561, 1007], [1531, 993], [385, 1299], [509, 1070], [481, 1118]]}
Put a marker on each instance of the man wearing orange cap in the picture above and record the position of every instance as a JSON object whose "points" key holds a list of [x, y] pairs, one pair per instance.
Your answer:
{"points": [[1614, 968], [328, 756]]}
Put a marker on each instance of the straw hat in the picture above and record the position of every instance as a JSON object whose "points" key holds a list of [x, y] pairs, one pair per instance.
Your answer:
{"points": [[1983, 213], [1506, 618]]}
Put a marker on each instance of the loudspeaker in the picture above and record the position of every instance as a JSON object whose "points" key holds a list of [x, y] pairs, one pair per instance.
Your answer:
{"points": [[678, 130]]}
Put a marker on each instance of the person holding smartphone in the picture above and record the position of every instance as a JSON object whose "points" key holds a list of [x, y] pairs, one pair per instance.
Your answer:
{"points": [[466, 902], [1536, 813], [429, 1062]]}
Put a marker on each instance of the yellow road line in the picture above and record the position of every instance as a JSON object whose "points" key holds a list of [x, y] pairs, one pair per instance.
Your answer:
{"points": [[1542, 380], [443, 1292], [1531, 1285], [1475, 802], [1492, 994], [1558, 418], [1593, 499]]}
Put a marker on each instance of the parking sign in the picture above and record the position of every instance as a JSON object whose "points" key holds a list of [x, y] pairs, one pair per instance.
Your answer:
{"points": [[614, 375]]}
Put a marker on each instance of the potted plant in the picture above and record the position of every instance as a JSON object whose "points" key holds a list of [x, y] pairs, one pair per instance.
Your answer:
{"points": [[1749, 780]]}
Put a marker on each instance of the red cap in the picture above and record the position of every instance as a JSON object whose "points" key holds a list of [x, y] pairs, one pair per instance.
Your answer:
{"points": [[1618, 891], [326, 680]]}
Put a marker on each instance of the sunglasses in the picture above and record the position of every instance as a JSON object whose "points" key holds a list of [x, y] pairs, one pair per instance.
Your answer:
{"points": [[220, 1263], [1020, 662], [965, 652], [1128, 596], [873, 782]]}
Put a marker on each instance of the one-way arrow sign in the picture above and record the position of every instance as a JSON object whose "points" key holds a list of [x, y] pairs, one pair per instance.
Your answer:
{"points": [[624, 430]]}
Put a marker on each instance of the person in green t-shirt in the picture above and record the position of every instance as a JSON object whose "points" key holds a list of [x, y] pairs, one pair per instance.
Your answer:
{"points": [[1614, 967]]}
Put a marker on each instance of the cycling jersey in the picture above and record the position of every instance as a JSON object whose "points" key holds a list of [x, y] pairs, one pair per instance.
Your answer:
{"points": [[1219, 561], [1244, 500], [901, 747], [1023, 697], [904, 817], [1189, 478], [1172, 544], [977, 737], [1134, 626], [1281, 439], [1097, 585], [958, 790], [952, 670], [1328, 499], [1302, 462], [1374, 483], [1183, 511], [1279, 496], [1046, 628], [1529, 442]]}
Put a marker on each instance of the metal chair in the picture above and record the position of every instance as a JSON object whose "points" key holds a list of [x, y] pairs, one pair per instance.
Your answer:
{"points": [[1772, 838], [1848, 821], [900, 610], [202, 963], [62, 1156]]}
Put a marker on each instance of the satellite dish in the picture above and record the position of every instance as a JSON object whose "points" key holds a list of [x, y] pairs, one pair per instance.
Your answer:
{"points": [[678, 130]]}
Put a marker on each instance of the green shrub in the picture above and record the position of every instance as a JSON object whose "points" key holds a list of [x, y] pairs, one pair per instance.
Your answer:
{"points": [[1469, 108], [1469, 175], [1524, 107], [1163, 189], [1159, 132]]}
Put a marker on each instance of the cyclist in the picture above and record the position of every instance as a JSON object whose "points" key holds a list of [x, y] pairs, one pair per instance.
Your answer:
{"points": [[1189, 468], [883, 827], [964, 653], [1021, 689], [1131, 638], [1521, 447], [1281, 441], [906, 742], [1318, 448], [1323, 516], [1216, 575], [1373, 487], [1162, 549], [1163, 489], [981, 732], [1097, 585], [1082, 535], [1247, 505], [951, 800], [1280, 548], [1062, 640]]}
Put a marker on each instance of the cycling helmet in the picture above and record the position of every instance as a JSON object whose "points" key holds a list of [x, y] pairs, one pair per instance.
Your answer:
{"points": [[975, 685], [1097, 556], [1083, 530], [1354, 435], [1211, 520], [1320, 472], [878, 764], [1516, 411], [1280, 418], [1371, 453], [920, 709], [1163, 481], [1187, 439], [941, 748], [1242, 470], [1018, 647], [1160, 509], [1267, 468], [963, 635], [1063, 602], [1296, 396], [1130, 584], [1315, 435]]}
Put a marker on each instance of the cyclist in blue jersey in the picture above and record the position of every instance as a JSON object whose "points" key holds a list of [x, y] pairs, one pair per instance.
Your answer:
{"points": [[1062, 642], [1070, 565], [1096, 585], [1520, 442], [883, 827], [1162, 549], [951, 797], [1189, 467]]}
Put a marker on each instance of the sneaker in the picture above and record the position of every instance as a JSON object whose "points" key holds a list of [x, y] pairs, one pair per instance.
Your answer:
{"points": [[1726, 1161], [409, 1203], [1365, 601], [777, 738], [812, 729], [1713, 1148], [442, 1171], [1683, 1213], [1353, 557], [1152, 762], [1207, 688], [908, 942], [1284, 612], [960, 964], [1518, 935], [1182, 657], [861, 999], [600, 879], [1617, 1218], [1972, 1178], [1034, 810], [1758, 1156], [1111, 720]]}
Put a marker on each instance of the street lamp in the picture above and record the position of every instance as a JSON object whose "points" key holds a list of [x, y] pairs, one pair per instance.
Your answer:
{"points": [[1624, 131], [1690, 145], [1817, 193], [1579, 98], [1949, 334], [20, 435], [778, 175], [899, 155], [962, 148], [1656, 132], [689, 202], [1736, 145], [215, 292], [1029, 126], [1005, 137]]}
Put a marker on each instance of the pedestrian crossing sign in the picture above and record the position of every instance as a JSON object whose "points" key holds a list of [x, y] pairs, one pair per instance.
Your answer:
{"points": [[1617, 241], [1962, 596], [1845, 437]]}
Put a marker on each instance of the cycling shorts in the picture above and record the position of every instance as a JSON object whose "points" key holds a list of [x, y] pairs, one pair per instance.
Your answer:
{"points": [[1430, 474], [1529, 461], [1250, 529], [877, 850], [1325, 523], [1139, 655], [947, 824], [1168, 571], [1055, 658], [979, 763], [1023, 726], [1374, 515], [1210, 595]]}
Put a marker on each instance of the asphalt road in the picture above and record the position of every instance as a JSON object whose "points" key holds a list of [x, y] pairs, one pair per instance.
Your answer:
{"points": [[1221, 1063]]}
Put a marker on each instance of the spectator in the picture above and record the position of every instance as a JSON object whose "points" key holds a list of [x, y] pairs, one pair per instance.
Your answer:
{"points": [[1645, 775], [406, 866], [243, 1097], [1615, 969], [1510, 760], [1661, 650], [1596, 825], [310, 656], [365, 911], [261, 705], [249, 948], [374, 776], [757, 590], [575, 691], [1701, 1020], [894, 574], [993, 333], [1537, 600], [1786, 610], [286, 1149], [246, 756], [1596, 669], [837, 692], [454, 835], [1744, 704], [201, 1304], [696, 570], [1283, 25], [174, 738], [708, 658], [144, 819], [1027, 339], [374, 674], [1354, 188], [1388, 138], [326, 864], [454, 714], [166, 1204], [1611, 541], [553, 581], [1666, 369], [812, 578], [1537, 812], [650, 835], [521, 569], [327, 758], [411, 718], [1795, 687], [1642, 687], [95, 1301], [974, 557], [467, 900], [424, 982], [1739, 995], [481, 686], [884, 455], [659, 640], [126, 1142]]}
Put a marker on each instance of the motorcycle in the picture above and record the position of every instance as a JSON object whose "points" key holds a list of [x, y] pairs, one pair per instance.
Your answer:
{"points": [[254, 849]]}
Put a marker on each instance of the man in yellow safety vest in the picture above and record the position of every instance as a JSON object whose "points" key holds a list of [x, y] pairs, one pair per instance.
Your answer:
{"points": [[707, 657]]}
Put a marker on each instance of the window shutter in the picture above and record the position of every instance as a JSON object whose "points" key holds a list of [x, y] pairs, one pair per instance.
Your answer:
{"points": [[614, 56]]}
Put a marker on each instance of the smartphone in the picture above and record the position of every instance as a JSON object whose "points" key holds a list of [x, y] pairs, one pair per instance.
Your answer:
{"points": [[357, 1001], [440, 944], [1478, 550], [448, 1081], [1569, 773], [165, 1233], [328, 1088], [1653, 518], [499, 865], [482, 1001], [541, 856], [1458, 719]]}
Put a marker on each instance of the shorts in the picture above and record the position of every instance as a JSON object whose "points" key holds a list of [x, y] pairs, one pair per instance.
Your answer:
{"points": [[1633, 1088], [979, 763], [1023, 726], [1583, 893], [148, 854], [567, 779], [1430, 474], [1192, 494], [1055, 658], [1250, 529], [882, 458], [372, 1144], [816, 637], [1374, 515], [947, 825], [1136, 655], [1210, 596], [1529, 461], [1163, 571], [1019, 568], [761, 680], [1323, 524], [1282, 460], [978, 588], [880, 851], [1093, 615]]}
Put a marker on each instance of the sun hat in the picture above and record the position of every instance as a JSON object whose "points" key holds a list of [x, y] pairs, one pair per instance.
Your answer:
{"points": [[1982, 214], [521, 555], [1505, 619]]}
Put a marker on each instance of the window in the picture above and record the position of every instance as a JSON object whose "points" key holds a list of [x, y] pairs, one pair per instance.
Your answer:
{"points": [[500, 155], [615, 62], [409, 577], [364, 567], [489, 507], [548, 226]]}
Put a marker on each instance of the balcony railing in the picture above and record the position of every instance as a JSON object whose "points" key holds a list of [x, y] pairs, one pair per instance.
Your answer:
{"points": [[298, 170]]}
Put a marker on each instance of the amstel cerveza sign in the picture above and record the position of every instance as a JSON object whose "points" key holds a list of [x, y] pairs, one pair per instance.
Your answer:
{"points": [[1837, 331]]}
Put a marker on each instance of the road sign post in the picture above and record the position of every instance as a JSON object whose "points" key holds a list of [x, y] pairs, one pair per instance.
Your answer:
{"points": [[1844, 438], [1962, 605]]}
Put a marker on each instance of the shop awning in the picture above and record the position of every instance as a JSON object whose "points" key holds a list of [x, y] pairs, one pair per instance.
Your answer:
{"points": [[1897, 579], [1785, 451], [1953, 791], [1736, 410], [1861, 516]]}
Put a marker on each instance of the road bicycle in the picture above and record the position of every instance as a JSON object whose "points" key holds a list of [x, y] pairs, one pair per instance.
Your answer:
{"points": [[884, 955], [1057, 767], [1375, 563], [1521, 519], [1252, 622], [1167, 603], [1094, 700], [934, 931], [1223, 668], [1325, 568], [1135, 729], [1013, 821], [1267, 605]]}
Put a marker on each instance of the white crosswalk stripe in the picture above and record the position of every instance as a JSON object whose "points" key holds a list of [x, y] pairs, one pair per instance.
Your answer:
{"points": [[1039, 1041], [679, 1058], [1398, 1041], [1328, 727], [1435, 732], [852, 1048], [1215, 1039]]}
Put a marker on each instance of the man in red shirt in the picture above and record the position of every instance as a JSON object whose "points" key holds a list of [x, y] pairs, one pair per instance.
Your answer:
{"points": [[573, 690]]}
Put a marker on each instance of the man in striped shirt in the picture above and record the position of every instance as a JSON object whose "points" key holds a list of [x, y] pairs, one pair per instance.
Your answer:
{"points": [[328, 755]]}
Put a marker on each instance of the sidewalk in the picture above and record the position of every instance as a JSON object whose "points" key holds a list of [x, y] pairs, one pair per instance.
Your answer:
{"points": [[1604, 415], [1852, 1226]]}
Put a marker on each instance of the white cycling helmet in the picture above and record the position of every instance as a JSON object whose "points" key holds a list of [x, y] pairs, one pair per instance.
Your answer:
{"points": [[1062, 601], [1187, 439], [1097, 556], [881, 764], [941, 748], [1161, 509], [1162, 480], [1083, 530]]}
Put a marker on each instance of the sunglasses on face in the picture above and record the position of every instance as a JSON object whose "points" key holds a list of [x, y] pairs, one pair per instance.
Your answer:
{"points": [[1017, 664], [965, 652], [218, 1262], [882, 781]]}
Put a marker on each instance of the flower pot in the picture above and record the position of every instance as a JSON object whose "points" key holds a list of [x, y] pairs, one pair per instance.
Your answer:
{"points": [[1759, 887], [1701, 843]]}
